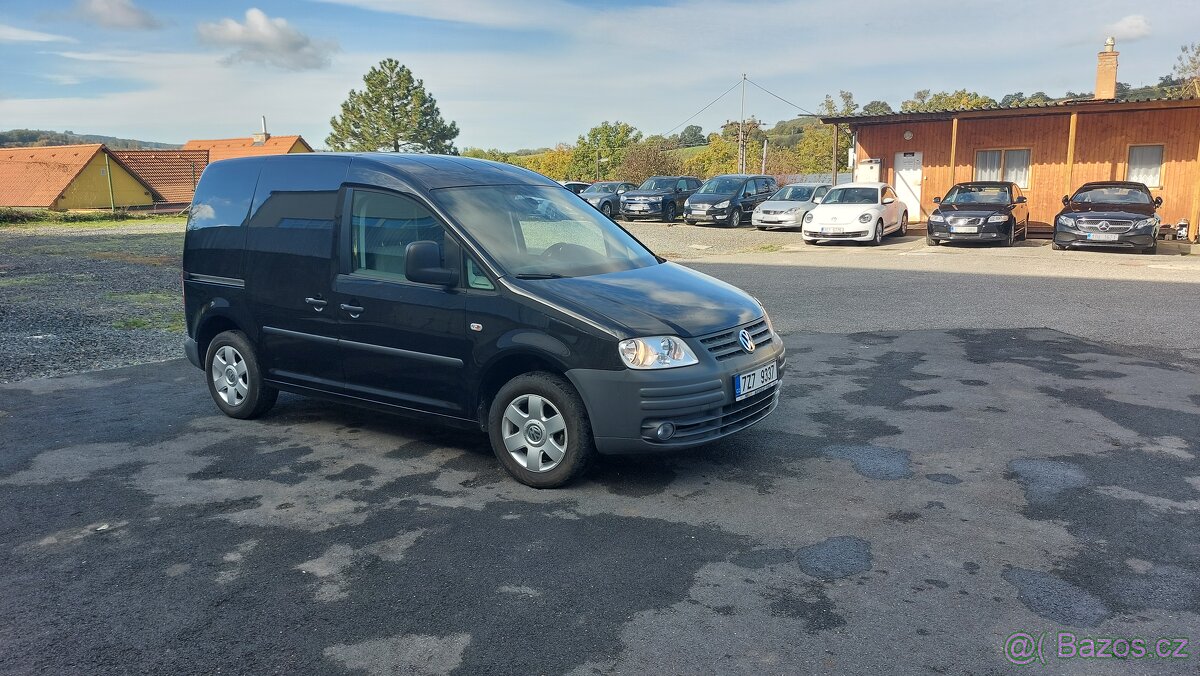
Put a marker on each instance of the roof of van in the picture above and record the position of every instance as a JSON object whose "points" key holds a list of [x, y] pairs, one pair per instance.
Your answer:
{"points": [[428, 172]]}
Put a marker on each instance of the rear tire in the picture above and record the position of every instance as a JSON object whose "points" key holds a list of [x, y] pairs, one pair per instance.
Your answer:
{"points": [[234, 378], [538, 420]]}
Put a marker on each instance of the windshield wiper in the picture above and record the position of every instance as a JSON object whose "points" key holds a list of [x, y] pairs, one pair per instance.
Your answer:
{"points": [[538, 275]]}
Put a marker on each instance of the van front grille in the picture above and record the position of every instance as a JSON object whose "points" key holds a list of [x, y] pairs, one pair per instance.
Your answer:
{"points": [[725, 345]]}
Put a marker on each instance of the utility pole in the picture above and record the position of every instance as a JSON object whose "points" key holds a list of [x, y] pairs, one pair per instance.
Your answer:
{"points": [[764, 158], [742, 131]]}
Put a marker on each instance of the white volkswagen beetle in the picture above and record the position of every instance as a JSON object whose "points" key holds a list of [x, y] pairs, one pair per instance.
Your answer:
{"points": [[859, 212]]}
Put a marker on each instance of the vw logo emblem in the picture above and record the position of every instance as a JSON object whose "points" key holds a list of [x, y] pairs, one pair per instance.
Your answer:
{"points": [[1103, 225], [746, 341]]}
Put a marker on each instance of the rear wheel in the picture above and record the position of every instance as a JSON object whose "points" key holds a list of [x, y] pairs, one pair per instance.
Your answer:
{"points": [[540, 431], [735, 217], [234, 378]]}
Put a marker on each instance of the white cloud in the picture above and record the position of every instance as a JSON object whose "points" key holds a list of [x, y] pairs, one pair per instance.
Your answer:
{"points": [[1130, 28], [261, 39], [121, 14], [62, 79], [14, 34], [508, 14]]}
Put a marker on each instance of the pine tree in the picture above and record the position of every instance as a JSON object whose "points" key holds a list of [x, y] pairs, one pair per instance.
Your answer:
{"points": [[393, 112]]}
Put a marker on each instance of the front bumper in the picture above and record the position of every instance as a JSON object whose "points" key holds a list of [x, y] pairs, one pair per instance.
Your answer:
{"points": [[759, 219], [985, 232], [854, 232], [625, 407], [712, 215], [1130, 240], [652, 209]]}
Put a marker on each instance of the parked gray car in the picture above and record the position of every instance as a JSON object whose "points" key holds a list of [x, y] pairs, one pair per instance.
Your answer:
{"points": [[606, 196], [787, 207]]}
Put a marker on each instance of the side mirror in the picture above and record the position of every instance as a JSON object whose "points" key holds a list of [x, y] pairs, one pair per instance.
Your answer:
{"points": [[1066, 200], [816, 200], [1157, 202], [621, 191], [423, 265], [937, 200], [1021, 200], [889, 200]]}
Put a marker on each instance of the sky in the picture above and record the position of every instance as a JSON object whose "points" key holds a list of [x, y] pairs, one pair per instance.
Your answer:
{"points": [[533, 73]]}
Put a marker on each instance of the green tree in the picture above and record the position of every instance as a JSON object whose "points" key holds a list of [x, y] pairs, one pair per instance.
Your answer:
{"points": [[598, 153], [877, 108], [720, 156], [555, 164], [692, 135], [393, 112], [924, 101], [489, 154], [813, 152], [1187, 69]]}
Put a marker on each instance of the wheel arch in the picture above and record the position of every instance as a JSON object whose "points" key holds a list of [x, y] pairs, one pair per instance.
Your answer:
{"points": [[209, 326], [506, 366]]}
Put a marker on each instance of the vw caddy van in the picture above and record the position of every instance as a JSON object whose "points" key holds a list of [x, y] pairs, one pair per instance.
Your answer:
{"points": [[470, 292]]}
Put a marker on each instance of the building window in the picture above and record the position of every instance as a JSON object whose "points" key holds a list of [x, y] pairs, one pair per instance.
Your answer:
{"points": [[1145, 165], [1003, 165]]}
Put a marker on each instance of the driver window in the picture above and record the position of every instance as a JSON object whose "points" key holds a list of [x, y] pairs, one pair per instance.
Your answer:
{"points": [[681, 185], [551, 235], [382, 227]]}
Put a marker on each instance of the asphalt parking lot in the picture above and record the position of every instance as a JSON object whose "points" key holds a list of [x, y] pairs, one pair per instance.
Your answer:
{"points": [[972, 444]]}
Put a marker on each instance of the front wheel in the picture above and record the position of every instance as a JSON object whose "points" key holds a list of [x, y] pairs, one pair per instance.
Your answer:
{"points": [[903, 224], [689, 221], [735, 218], [668, 212], [234, 378], [606, 209], [1057, 247], [540, 431], [1012, 235], [1152, 249], [929, 240], [878, 233]]}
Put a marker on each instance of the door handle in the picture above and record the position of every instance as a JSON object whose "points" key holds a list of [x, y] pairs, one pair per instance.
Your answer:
{"points": [[317, 303], [354, 310]]}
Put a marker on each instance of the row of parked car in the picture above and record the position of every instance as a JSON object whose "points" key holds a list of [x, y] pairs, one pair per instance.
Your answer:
{"points": [[1118, 214]]}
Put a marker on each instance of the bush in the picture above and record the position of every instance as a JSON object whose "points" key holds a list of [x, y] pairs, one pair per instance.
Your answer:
{"points": [[10, 215]]}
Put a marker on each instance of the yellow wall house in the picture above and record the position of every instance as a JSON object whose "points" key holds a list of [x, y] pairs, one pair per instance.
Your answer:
{"points": [[68, 177]]}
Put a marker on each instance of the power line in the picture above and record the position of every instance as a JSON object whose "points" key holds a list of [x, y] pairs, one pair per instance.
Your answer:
{"points": [[800, 108], [710, 103]]}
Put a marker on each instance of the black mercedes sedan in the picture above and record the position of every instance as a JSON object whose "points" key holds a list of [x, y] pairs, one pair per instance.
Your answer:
{"points": [[979, 211], [1109, 214]]}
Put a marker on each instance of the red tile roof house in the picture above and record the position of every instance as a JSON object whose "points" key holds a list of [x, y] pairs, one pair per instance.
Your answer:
{"points": [[259, 144], [172, 174], [69, 177]]}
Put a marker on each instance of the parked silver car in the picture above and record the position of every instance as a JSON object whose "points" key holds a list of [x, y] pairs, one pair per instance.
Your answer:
{"points": [[787, 207], [606, 195]]}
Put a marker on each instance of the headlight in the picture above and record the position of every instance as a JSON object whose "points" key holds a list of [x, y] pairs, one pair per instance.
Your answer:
{"points": [[937, 218], [1066, 221], [808, 218], [795, 210], [656, 352], [865, 218], [687, 203], [721, 205], [998, 218], [1145, 223]]}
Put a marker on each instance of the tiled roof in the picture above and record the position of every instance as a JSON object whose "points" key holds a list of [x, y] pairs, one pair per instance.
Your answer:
{"points": [[171, 174], [226, 148], [36, 177]]}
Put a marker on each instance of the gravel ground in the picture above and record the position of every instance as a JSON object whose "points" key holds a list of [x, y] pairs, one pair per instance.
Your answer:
{"points": [[80, 298]]}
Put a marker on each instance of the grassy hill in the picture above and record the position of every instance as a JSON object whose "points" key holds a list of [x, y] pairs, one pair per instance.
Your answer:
{"points": [[16, 138]]}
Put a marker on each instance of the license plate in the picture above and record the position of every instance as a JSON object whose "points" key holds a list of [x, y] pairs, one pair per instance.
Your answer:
{"points": [[1102, 236], [964, 228], [639, 207], [831, 231], [700, 212], [749, 383]]}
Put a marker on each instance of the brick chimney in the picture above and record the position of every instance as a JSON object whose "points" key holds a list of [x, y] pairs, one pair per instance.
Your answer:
{"points": [[262, 136], [1106, 72]]}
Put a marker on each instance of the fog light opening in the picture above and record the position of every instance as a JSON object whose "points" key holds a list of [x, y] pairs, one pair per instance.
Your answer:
{"points": [[664, 431]]}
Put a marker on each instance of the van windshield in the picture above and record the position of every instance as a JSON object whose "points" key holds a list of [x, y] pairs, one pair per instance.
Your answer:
{"points": [[542, 231]]}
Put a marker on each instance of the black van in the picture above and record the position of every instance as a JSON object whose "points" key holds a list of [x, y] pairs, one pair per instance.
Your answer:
{"points": [[468, 291]]}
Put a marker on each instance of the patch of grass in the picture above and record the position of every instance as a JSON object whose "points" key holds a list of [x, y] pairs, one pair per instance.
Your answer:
{"points": [[18, 281], [134, 258], [170, 321], [146, 299], [128, 323], [37, 217]]}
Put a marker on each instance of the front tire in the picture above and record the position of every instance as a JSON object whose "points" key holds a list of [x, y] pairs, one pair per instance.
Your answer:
{"points": [[1012, 235], [878, 233], [1152, 249], [735, 218], [540, 431], [607, 210], [929, 240], [234, 378], [668, 212], [903, 225], [689, 221], [1057, 247]]}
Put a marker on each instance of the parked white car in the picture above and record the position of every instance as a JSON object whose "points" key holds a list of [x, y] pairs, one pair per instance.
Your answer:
{"points": [[787, 207], [859, 212]]}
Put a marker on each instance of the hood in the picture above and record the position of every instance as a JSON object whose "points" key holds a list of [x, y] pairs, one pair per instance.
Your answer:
{"points": [[976, 210], [663, 299], [842, 213], [648, 193], [1115, 212], [784, 205], [596, 196], [709, 198]]}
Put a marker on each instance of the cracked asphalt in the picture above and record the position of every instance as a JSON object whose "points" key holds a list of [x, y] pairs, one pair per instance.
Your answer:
{"points": [[919, 496]]}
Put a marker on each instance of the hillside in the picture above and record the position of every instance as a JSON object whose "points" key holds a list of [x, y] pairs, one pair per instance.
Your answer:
{"points": [[16, 138]]}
